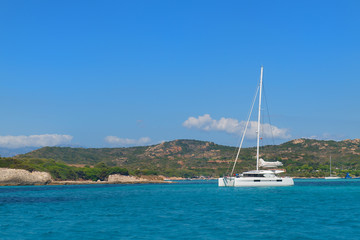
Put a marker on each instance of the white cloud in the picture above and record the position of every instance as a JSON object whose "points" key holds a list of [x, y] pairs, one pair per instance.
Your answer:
{"points": [[233, 126], [126, 141], [34, 140]]}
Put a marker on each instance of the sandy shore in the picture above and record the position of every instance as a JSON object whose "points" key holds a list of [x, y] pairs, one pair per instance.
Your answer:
{"points": [[103, 182]]}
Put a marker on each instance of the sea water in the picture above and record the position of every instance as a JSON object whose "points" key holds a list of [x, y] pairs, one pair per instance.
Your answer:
{"points": [[312, 209]]}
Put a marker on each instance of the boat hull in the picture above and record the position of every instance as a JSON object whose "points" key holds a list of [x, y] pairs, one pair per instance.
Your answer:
{"points": [[331, 178], [255, 182]]}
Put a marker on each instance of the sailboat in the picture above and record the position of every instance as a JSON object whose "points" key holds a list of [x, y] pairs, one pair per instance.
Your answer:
{"points": [[256, 177], [331, 177]]}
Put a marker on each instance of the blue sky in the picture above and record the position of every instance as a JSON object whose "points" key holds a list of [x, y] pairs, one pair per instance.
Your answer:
{"points": [[122, 73]]}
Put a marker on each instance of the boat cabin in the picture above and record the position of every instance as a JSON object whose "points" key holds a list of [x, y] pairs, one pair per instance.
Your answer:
{"points": [[260, 174]]}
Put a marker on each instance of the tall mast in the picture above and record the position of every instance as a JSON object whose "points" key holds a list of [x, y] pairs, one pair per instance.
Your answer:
{"points": [[330, 165], [258, 127]]}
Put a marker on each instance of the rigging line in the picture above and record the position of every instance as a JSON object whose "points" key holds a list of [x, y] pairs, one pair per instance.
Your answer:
{"points": [[262, 129], [268, 113], [263, 138], [263, 135], [238, 142], [246, 126], [233, 156]]}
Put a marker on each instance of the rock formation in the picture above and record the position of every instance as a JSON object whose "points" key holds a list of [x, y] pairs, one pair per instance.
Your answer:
{"points": [[15, 177], [117, 178]]}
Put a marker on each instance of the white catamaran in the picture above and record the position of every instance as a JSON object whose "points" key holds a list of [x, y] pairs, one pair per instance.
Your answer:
{"points": [[256, 177]]}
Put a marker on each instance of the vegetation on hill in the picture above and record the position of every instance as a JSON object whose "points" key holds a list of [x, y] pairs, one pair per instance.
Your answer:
{"points": [[61, 171], [190, 158]]}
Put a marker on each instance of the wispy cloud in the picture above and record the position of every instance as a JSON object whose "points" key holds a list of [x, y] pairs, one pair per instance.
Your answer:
{"points": [[34, 140], [233, 126], [113, 140], [327, 136]]}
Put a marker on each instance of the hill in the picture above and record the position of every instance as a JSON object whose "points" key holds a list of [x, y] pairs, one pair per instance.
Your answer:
{"points": [[10, 152], [175, 158], [301, 157]]}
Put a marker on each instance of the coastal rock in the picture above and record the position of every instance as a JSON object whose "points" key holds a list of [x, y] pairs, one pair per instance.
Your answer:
{"points": [[118, 178], [15, 177]]}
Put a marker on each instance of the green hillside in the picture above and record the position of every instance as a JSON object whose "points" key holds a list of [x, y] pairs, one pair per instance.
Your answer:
{"points": [[301, 157], [61, 171]]}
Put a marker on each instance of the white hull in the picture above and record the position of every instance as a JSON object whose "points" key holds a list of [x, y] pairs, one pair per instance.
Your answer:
{"points": [[255, 181], [329, 178]]}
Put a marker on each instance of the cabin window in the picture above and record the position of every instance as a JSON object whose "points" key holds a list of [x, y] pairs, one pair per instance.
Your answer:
{"points": [[253, 175], [279, 180], [256, 180]]}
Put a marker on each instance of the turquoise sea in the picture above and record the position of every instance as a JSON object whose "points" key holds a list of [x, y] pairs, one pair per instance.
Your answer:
{"points": [[312, 209]]}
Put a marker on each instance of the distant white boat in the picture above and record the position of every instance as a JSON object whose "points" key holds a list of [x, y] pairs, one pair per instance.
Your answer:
{"points": [[256, 178], [331, 177]]}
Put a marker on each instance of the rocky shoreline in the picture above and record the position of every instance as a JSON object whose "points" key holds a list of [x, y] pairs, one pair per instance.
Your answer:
{"points": [[20, 177]]}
